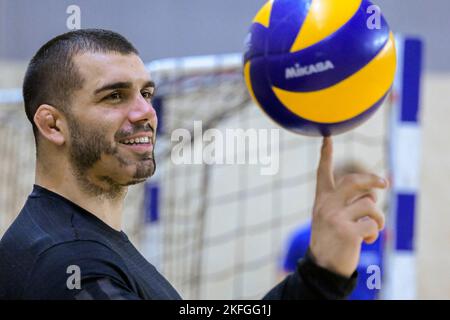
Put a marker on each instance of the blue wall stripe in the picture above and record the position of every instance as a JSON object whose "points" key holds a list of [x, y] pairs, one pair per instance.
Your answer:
{"points": [[412, 67], [151, 202], [406, 205], [158, 103]]}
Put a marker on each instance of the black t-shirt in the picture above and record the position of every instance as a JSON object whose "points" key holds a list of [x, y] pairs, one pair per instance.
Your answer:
{"points": [[53, 241]]}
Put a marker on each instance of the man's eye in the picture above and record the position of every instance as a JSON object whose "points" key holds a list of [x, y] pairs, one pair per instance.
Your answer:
{"points": [[115, 96], [147, 95]]}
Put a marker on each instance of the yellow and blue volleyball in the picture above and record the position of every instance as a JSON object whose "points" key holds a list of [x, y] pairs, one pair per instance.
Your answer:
{"points": [[319, 67]]}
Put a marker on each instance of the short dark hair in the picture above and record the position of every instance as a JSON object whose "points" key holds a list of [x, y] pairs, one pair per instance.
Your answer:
{"points": [[52, 77]]}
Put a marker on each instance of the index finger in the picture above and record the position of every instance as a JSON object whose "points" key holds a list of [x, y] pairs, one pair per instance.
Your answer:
{"points": [[325, 178]]}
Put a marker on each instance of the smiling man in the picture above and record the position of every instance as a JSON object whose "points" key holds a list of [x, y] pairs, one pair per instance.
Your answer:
{"points": [[88, 97]]}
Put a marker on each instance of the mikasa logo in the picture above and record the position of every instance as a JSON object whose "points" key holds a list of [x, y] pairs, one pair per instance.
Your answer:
{"points": [[298, 71]]}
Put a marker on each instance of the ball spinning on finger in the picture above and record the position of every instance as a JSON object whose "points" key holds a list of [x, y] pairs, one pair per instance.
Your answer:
{"points": [[319, 67]]}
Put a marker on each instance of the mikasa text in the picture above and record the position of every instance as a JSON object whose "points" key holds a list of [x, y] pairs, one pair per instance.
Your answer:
{"points": [[298, 71]]}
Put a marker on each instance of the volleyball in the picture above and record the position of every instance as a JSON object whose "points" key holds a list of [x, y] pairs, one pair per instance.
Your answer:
{"points": [[319, 67]]}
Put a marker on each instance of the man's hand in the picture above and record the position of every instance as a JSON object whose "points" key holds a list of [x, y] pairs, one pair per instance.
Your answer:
{"points": [[344, 215]]}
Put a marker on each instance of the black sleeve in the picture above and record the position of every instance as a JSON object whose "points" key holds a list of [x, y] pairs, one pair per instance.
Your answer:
{"points": [[104, 288], [309, 282], [102, 274]]}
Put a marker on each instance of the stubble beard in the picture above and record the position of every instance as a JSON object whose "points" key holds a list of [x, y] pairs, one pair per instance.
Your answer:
{"points": [[87, 147]]}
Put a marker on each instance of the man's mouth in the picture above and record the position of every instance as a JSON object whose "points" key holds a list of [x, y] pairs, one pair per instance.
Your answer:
{"points": [[139, 144], [139, 140]]}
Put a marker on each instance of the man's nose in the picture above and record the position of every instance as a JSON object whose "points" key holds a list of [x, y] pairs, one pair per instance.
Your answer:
{"points": [[142, 111]]}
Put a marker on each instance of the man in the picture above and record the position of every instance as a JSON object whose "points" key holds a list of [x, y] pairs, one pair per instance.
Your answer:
{"points": [[89, 99]]}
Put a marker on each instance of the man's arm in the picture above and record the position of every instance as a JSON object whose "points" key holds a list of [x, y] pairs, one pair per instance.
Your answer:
{"points": [[104, 288], [309, 281]]}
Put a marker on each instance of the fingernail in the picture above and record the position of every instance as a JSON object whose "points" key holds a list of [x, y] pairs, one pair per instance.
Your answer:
{"points": [[383, 182]]}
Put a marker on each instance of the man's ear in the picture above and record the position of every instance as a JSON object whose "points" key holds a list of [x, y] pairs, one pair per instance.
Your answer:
{"points": [[50, 124]]}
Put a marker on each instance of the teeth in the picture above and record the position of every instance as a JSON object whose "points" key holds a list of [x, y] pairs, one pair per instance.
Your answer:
{"points": [[137, 140]]}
